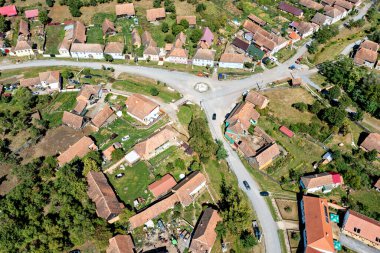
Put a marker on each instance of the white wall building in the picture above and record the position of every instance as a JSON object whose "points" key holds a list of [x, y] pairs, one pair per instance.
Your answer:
{"points": [[177, 55], [86, 51], [232, 61], [204, 57]]}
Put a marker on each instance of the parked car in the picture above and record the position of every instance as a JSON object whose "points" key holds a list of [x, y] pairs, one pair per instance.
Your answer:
{"points": [[120, 175], [246, 185], [214, 116], [125, 138], [88, 76], [292, 67], [264, 194]]}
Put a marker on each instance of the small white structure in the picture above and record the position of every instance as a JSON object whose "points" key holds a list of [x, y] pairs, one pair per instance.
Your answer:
{"points": [[87, 51], [115, 49], [132, 157], [204, 57], [23, 48], [177, 55], [232, 61], [64, 48]]}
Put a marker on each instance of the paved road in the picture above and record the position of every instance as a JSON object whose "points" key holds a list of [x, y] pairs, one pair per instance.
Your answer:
{"points": [[356, 245]]}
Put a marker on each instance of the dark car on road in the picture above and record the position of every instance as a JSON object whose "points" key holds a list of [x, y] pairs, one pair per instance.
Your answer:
{"points": [[246, 185], [214, 116], [264, 194]]}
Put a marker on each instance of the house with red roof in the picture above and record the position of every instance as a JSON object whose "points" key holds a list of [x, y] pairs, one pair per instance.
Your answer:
{"points": [[32, 14], [324, 182], [362, 228], [8, 11], [317, 233], [162, 186]]}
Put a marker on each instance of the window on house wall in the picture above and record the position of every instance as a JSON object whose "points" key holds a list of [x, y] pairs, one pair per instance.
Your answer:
{"points": [[357, 230], [326, 214]]}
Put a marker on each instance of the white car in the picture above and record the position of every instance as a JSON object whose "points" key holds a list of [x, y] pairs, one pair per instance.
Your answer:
{"points": [[125, 138]]}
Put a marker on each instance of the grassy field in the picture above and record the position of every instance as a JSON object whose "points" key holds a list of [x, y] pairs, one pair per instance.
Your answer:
{"points": [[62, 102], [288, 209], [95, 35], [285, 54], [144, 85], [125, 126], [133, 184], [54, 36], [185, 114], [318, 79], [370, 198]]}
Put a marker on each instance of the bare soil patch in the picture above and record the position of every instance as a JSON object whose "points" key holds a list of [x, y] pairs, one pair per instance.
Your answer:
{"points": [[56, 140], [7, 181], [60, 13], [288, 209]]}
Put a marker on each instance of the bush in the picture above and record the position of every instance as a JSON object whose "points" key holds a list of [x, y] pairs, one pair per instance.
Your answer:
{"points": [[248, 65], [117, 154], [154, 92], [170, 166], [196, 35], [180, 163], [164, 27], [301, 106], [200, 7], [316, 107], [247, 239], [295, 236], [371, 155], [169, 38], [288, 209]]}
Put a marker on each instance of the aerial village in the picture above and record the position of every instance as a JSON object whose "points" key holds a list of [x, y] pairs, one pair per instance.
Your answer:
{"points": [[141, 159]]}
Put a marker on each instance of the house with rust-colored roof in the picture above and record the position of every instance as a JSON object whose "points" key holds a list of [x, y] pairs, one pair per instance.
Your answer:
{"points": [[72, 120], [344, 4], [79, 33], [155, 14], [204, 235], [362, 228], [108, 27], [318, 236], [142, 108], [265, 157], [101, 118], [23, 30], [121, 244], [162, 185], [290, 9], [311, 4], [32, 14], [191, 19], [286, 131], [115, 49], [184, 192], [125, 10], [377, 185], [320, 19], [371, 45], [323, 182], [260, 101], [90, 93], [177, 55], [79, 149], [157, 143], [304, 29], [232, 61], [365, 57], [101, 193], [245, 114], [371, 142], [333, 13], [50, 79], [257, 20], [23, 48], [107, 153], [136, 39], [204, 57]]}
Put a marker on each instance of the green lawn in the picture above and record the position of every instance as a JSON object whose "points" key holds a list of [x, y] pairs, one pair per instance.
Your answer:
{"points": [[60, 103], [285, 54], [95, 35], [99, 18], [370, 198], [54, 36], [133, 184], [144, 88], [124, 126], [185, 115]]}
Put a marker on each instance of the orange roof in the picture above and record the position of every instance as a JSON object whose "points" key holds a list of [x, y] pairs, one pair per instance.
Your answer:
{"points": [[311, 4], [267, 155], [362, 226], [178, 52], [30, 82], [232, 58], [79, 149], [244, 113], [185, 188], [114, 48], [371, 45], [100, 192], [79, 33], [23, 27], [294, 36], [22, 45], [108, 26], [102, 116], [154, 14], [87, 91], [72, 120], [318, 225], [146, 147], [163, 185], [50, 77], [139, 106], [204, 235], [344, 4], [108, 152], [127, 9], [257, 20], [257, 99], [80, 106], [121, 244], [371, 142], [191, 19], [365, 55], [321, 179], [377, 184]]}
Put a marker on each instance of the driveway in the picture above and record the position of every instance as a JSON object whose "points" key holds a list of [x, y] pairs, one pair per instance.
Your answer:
{"points": [[356, 245]]}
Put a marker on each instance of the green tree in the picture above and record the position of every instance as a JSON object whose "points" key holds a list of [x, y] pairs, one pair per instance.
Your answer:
{"points": [[200, 7], [180, 163], [157, 3], [371, 155], [247, 239], [358, 115], [221, 153], [313, 47], [24, 98], [108, 57], [154, 91], [196, 35], [334, 93], [184, 23], [4, 24], [316, 107], [164, 27], [66, 74], [220, 230], [176, 29], [247, 64], [169, 38], [333, 116], [43, 17], [50, 3], [170, 166], [301, 106], [200, 138], [89, 164], [117, 154]]}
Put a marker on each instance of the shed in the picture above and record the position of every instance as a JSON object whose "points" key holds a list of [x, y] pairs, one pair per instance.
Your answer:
{"points": [[286, 131]]}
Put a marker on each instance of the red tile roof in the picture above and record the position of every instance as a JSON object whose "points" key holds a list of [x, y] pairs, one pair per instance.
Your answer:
{"points": [[8, 11], [321, 179], [232, 58], [371, 142], [102, 116], [257, 99], [362, 226], [318, 225], [290, 9], [244, 113], [107, 153], [139, 106], [121, 244], [286, 131], [267, 155], [72, 120], [257, 20], [79, 149], [154, 14], [163, 185], [204, 235], [31, 13], [127, 9]]}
